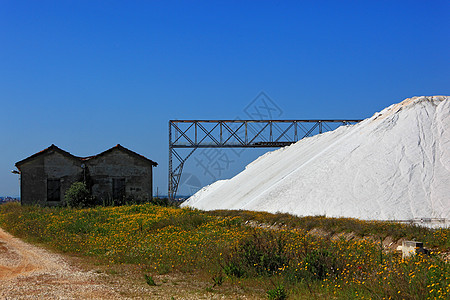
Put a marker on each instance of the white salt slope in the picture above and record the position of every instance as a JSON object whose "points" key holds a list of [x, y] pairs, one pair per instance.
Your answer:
{"points": [[392, 166]]}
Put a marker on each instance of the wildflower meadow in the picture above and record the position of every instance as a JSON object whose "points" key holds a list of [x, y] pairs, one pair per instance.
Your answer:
{"points": [[276, 254]]}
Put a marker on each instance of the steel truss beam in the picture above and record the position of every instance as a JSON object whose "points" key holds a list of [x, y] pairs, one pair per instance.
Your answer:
{"points": [[195, 134]]}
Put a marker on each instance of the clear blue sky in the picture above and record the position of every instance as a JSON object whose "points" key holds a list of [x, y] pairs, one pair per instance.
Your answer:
{"points": [[87, 75]]}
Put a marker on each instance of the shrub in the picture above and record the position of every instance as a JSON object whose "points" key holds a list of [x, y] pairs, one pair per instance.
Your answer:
{"points": [[261, 253], [149, 280], [234, 268], [166, 202], [321, 264], [278, 293], [78, 195], [217, 279]]}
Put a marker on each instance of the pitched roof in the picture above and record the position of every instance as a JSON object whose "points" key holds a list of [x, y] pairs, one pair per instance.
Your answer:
{"points": [[122, 148], [45, 151], [69, 155]]}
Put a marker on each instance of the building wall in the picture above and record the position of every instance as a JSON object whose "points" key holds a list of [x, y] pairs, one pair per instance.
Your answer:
{"points": [[99, 172], [35, 175], [117, 164]]}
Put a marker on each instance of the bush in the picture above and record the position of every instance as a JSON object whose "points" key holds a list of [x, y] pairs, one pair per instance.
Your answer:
{"points": [[166, 202], [264, 252], [278, 293], [234, 268], [78, 195], [149, 280], [261, 253], [321, 264]]}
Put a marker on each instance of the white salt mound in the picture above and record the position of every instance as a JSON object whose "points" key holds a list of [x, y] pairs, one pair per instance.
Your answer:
{"points": [[392, 166]]}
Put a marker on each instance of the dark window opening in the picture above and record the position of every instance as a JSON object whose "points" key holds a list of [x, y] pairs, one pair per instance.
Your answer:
{"points": [[53, 190], [118, 188]]}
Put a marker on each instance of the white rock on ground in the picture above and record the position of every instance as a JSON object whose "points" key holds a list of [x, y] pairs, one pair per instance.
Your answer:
{"points": [[392, 166]]}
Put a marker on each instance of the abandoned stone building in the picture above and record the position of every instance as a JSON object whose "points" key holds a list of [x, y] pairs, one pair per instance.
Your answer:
{"points": [[117, 173]]}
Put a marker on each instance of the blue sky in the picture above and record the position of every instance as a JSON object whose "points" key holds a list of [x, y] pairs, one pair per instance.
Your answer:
{"points": [[87, 75]]}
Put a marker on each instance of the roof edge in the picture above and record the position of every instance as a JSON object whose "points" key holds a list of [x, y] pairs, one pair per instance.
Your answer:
{"points": [[128, 151], [52, 147]]}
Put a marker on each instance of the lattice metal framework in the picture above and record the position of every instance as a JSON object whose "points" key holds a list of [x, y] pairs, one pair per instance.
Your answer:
{"points": [[195, 134]]}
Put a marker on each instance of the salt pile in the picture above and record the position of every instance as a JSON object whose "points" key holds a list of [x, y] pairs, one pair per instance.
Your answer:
{"points": [[392, 166]]}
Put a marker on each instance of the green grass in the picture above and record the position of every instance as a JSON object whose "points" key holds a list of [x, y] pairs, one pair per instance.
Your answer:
{"points": [[279, 261], [438, 238]]}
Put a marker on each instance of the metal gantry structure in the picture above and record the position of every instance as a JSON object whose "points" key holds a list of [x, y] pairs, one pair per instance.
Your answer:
{"points": [[194, 134]]}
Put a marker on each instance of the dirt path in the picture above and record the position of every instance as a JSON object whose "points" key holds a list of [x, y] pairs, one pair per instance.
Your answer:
{"points": [[29, 272]]}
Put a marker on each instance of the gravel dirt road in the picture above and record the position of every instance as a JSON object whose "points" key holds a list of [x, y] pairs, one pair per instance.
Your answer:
{"points": [[31, 272]]}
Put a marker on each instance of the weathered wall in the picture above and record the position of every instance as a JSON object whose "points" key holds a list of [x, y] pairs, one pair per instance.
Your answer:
{"points": [[118, 164], [53, 165]]}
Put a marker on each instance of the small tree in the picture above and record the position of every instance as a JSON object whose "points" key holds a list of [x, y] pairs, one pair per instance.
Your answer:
{"points": [[78, 195]]}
